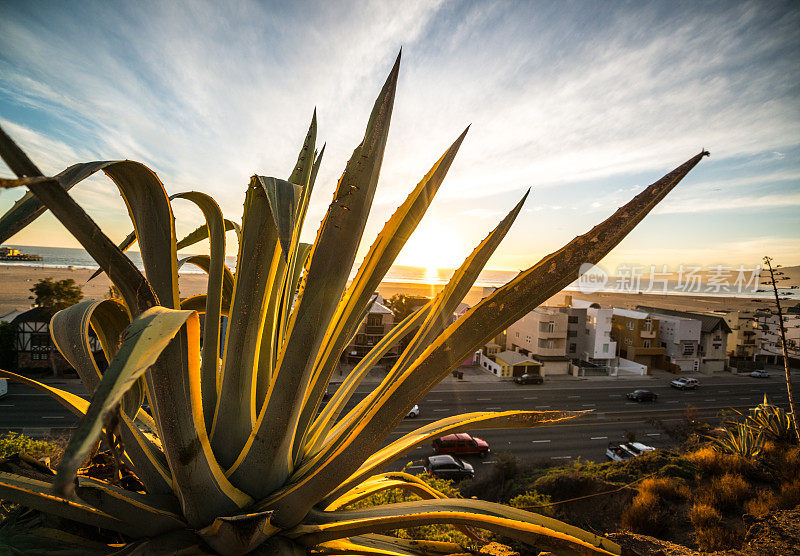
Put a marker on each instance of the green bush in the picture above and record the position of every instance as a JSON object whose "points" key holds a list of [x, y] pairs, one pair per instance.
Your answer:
{"points": [[531, 500], [13, 442]]}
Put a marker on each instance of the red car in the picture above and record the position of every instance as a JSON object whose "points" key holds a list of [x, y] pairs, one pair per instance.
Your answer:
{"points": [[461, 443]]}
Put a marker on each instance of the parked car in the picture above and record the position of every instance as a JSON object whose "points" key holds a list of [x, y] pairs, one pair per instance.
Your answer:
{"points": [[685, 383], [448, 467], [461, 443], [615, 452], [642, 396], [760, 374], [3, 387], [414, 412], [621, 451], [528, 379]]}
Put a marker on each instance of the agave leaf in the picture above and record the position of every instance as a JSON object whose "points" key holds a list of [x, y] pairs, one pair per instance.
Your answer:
{"points": [[153, 514], [145, 339], [301, 174], [213, 309], [394, 481], [201, 233], [382, 482], [484, 321], [53, 193], [437, 318], [239, 534], [480, 420], [379, 259], [328, 416], [69, 329], [126, 244], [39, 496], [145, 458], [266, 460], [203, 262], [283, 198], [257, 261], [72, 402], [198, 303], [543, 532], [382, 545]]}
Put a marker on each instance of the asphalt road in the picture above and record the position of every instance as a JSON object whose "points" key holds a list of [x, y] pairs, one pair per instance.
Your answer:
{"points": [[586, 437]]}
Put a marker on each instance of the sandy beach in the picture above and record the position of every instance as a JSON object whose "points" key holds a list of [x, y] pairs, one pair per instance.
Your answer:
{"points": [[17, 281]]}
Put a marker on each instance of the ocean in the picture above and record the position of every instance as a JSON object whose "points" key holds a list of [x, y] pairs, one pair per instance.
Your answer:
{"points": [[62, 257]]}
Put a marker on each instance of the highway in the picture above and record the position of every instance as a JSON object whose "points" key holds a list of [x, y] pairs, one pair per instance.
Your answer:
{"points": [[30, 411]]}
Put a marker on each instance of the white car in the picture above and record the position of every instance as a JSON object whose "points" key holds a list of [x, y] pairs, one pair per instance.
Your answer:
{"points": [[414, 412], [622, 451], [760, 374], [685, 383], [3, 387]]}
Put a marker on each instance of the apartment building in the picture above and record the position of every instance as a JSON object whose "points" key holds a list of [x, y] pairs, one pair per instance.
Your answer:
{"points": [[769, 349], [589, 332], [680, 338], [742, 345], [636, 335], [713, 345], [542, 336]]}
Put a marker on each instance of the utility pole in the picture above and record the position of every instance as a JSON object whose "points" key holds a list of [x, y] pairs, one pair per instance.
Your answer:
{"points": [[789, 388]]}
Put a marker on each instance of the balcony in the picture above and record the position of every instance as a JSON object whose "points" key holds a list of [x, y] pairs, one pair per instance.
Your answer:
{"points": [[648, 334], [374, 330]]}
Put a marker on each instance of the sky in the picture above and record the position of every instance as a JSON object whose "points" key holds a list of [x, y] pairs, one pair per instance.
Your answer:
{"points": [[585, 103]]}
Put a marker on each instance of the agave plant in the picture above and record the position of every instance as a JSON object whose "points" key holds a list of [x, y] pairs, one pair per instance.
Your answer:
{"points": [[234, 455], [770, 422], [740, 440]]}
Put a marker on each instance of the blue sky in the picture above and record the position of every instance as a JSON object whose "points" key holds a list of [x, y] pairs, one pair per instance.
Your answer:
{"points": [[584, 102]]}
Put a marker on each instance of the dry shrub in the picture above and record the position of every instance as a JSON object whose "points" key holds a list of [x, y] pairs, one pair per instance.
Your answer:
{"points": [[789, 496], [709, 531], [726, 493], [712, 462], [646, 514], [762, 504], [667, 488]]}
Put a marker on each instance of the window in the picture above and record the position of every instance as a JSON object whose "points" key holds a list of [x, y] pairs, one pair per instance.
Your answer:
{"points": [[607, 334], [648, 325], [517, 334], [572, 320], [547, 326], [40, 340], [628, 341], [547, 344], [572, 333], [647, 343], [630, 325], [573, 348], [605, 348], [688, 349]]}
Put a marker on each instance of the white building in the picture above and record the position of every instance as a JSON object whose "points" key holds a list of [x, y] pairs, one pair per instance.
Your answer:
{"points": [[542, 335], [680, 337], [592, 325]]}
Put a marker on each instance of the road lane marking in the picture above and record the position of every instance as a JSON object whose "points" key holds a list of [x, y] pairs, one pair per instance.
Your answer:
{"points": [[674, 401], [433, 400], [483, 399], [599, 438], [445, 409], [747, 398], [52, 416], [532, 398], [415, 467], [724, 391], [541, 406], [560, 457], [588, 405], [6, 405], [615, 395], [485, 462], [539, 441], [710, 400], [493, 408], [573, 396], [653, 434]]}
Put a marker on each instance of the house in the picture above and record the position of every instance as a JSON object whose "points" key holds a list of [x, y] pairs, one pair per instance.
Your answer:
{"points": [[542, 336], [508, 364], [378, 322], [680, 337], [636, 335], [769, 348], [712, 347], [34, 347]]}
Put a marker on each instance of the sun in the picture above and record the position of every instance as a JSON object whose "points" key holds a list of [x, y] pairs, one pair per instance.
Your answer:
{"points": [[433, 245]]}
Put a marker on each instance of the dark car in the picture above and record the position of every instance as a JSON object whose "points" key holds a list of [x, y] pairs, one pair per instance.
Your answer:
{"points": [[642, 396], [461, 443], [528, 379], [448, 467]]}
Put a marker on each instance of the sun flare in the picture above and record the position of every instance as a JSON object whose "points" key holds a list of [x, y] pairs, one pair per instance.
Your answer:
{"points": [[433, 245]]}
